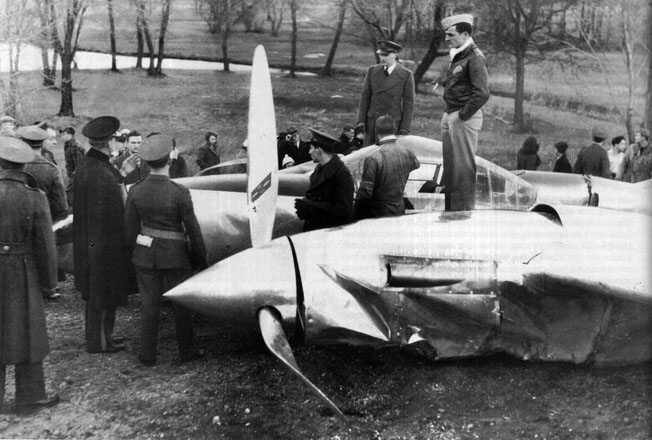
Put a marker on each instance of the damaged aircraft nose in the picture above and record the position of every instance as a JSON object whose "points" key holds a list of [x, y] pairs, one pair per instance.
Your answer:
{"points": [[234, 290]]}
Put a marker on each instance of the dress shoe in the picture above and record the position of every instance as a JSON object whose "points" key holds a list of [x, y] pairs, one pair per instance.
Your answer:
{"points": [[114, 348], [38, 405], [200, 353], [53, 296]]}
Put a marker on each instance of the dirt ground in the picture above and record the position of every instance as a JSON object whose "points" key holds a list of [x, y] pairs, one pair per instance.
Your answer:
{"points": [[240, 391]]}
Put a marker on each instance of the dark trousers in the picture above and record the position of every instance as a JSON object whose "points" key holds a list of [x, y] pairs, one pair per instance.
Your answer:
{"points": [[459, 144], [30, 383], [100, 322], [152, 284]]}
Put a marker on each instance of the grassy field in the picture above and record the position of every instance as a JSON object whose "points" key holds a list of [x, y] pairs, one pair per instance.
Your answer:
{"points": [[186, 104]]}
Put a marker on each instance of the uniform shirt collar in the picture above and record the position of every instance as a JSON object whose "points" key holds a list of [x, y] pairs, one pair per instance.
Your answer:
{"points": [[391, 68], [454, 51]]}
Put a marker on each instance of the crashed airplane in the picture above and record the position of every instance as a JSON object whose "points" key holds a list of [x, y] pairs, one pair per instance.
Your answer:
{"points": [[539, 281]]}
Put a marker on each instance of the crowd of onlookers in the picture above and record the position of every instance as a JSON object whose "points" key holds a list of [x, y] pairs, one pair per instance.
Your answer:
{"points": [[618, 160]]}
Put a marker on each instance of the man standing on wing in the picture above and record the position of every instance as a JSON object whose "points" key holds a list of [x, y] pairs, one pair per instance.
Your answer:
{"points": [[388, 90], [465, 93]]}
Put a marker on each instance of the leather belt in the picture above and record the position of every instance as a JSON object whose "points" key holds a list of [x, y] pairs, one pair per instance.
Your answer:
{"points": [[15, 248], [160, 233]]}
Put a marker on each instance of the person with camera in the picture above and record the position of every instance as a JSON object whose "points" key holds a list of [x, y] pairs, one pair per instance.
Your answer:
{"points": [[293, 147]]}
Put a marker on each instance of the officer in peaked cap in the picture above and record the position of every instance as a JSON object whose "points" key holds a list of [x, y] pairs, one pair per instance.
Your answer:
{"points": [[166, 245], [7, 125], [329, 198], [47, 175], [386, 46], [103, 274], [101, 129], [33, 135], [26, 235], [15, 151], [388, 90]]}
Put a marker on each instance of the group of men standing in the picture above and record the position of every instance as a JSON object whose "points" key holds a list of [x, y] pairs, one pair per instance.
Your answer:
{"points": [[386, 109], [147, 240]]}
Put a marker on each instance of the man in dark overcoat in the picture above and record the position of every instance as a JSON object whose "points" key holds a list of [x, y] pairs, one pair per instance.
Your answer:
{"points": [[27, 266], [166, 245], [103, 274], [594, 160], [388, 90], [384, 175], [46, 173], [329, 199]]}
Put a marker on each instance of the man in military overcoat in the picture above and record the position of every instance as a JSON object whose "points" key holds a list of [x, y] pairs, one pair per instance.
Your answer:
{"points": [[388, 90], [27, 266]]}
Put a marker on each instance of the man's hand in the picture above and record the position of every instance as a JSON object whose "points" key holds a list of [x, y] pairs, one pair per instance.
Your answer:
{"points": [[129, 165], [174, 154], [301, 207]]}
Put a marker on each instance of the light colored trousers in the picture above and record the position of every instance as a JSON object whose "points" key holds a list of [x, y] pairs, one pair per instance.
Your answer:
{"points": [[459, 142]]}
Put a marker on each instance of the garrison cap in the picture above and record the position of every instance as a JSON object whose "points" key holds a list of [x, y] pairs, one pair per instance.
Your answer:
{"points": [[323, 140], [7, 118], [292, 130], [33, 135], [15, 150], [456, 19], [155, 147], [386, 46], [599, 133], [101, 129]]}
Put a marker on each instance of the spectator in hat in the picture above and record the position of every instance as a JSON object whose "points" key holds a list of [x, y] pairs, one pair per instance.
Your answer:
{"points": [[465, 92], [7, 126], [358, 139], [103, 274], [593, 160], [165, 244], [118, 144], [384, 175], [46, 173], [27, 267], [345, 140], [47, 149], [140, 169], [207, 154], [329, 199], [616, 156], [562, 164], [178, 167], [292, 146], [72, 152], [388, 90], [638, 158], [527, 157]]}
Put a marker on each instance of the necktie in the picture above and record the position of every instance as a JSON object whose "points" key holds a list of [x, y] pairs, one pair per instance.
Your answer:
{"points": [[386, 71]]}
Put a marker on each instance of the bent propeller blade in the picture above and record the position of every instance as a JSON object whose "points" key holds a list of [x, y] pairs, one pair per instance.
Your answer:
{"points": [[262, 178], [274, 337]]}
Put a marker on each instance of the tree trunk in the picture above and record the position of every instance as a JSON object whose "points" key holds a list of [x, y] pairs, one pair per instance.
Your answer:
{"points": [[140, 43], [66, 53], [48, 73], [165, 18], [430, 56], [114, 64], [151, 70], [293, 52], [519, 95], [66, 108], [326, 71], [648, 96]]}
